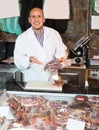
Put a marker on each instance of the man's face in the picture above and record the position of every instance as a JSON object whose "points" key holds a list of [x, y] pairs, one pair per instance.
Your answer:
{"points": [[36, 18]]}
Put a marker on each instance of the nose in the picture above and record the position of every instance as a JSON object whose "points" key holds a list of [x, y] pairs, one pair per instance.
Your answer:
{"points": [[36, 18]]}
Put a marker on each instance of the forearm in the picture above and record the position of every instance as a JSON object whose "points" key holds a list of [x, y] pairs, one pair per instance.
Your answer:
{"points": [[34, 60]]}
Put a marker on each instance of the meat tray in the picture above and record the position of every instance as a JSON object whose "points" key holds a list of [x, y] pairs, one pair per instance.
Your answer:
{"points": [[51, 111]]}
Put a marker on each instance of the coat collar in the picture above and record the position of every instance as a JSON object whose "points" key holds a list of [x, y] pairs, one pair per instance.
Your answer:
{"points": [[31, 33]]}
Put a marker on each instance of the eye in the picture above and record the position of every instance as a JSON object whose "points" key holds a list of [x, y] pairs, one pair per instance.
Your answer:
{"points": [[33, 16], [39, 16]]}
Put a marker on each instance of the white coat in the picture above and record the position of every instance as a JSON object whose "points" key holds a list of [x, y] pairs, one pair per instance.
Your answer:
{"points": [[28, 45]]}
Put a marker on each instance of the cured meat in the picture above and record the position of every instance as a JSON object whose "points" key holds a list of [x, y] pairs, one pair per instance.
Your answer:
{"points": [[53, 65], [81, 105], [39, 113], [81, 98]]}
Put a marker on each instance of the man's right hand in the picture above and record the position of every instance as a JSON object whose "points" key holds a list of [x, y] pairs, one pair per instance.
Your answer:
{"points": [[34, 60]]}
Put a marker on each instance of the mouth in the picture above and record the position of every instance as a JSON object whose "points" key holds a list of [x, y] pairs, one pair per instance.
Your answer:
{"points": [[36, 23]]}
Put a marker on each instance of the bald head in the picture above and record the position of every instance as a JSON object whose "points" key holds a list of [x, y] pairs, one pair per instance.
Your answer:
{"points": [[36, 19], [36, 10]]}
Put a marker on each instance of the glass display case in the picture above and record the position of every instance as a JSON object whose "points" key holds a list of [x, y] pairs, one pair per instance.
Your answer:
{"points": [[8, 72], [49, 111]]}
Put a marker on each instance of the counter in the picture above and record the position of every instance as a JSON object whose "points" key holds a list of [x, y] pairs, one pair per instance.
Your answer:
{"points": [[11, 79]]}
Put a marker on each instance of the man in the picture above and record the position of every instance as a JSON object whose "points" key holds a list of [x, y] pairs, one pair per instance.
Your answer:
{"points": [[37, 46]]}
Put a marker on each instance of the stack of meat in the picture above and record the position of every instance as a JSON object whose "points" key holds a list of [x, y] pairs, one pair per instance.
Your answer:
{"points": [[39, 113], [53, 65]]}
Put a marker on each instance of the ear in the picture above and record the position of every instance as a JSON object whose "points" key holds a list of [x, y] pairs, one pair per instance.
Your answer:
{"points": [[44, 20], [29, 20]]}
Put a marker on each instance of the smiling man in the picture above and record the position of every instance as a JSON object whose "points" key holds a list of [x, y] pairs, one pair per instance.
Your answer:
{"points": [[37, 46]]}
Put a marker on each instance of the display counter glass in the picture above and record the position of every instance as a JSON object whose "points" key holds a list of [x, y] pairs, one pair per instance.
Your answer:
{"points": [[7, 72], [48, 111]]}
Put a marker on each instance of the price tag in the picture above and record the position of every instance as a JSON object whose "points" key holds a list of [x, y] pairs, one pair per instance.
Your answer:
{"points": [[75, 124]]}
